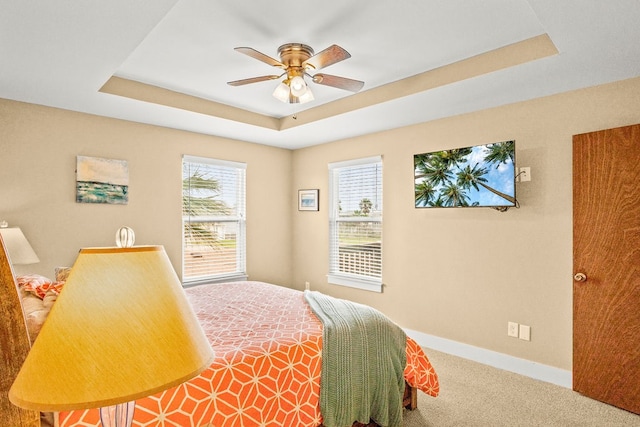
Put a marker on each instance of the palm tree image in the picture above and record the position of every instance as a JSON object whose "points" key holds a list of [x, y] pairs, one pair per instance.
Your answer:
{"points": [[200, 194], [209, 207], [476, 176], [365, 206]]}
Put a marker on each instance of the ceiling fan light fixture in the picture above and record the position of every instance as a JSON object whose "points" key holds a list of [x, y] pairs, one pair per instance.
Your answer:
{"points": [[282, 92], [298, 86], [297, 60], [307, 96]]}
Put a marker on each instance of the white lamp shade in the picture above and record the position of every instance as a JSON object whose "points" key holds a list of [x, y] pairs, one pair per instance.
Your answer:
{"points": [[121, 329], [18, 247]]}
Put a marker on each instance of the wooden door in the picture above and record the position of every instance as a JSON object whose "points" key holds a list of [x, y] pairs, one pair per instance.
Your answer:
{"points": [[606, 250]]}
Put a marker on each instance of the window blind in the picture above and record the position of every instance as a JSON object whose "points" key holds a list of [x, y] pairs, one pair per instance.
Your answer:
{"points": [[213, 220], [355, 223]]}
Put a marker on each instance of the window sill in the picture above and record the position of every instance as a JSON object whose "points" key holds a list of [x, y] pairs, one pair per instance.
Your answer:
{"points": [[209, 280], [373, 285]]}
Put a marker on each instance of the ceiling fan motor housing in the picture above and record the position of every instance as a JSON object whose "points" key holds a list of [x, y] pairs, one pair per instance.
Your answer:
{"points": [[294, 54]]}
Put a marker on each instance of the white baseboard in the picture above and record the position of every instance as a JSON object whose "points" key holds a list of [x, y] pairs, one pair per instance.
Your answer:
{"points": [[524, 367]]}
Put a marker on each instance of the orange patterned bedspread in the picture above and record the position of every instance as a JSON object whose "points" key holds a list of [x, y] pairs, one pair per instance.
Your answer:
{"points": [[266, 371]]}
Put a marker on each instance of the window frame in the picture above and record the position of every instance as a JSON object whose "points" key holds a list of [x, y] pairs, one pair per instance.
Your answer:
{"points": [[239, 218], [336, 277]]}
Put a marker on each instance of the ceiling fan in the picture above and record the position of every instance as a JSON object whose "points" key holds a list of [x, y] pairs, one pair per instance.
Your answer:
{"points": [[298, 60]]}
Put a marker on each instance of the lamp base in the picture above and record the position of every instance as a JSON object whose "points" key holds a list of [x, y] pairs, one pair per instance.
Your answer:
{"points": [[120, 415]]}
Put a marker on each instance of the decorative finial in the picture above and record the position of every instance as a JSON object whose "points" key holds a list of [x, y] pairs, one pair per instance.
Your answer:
{"points": [[125, 237]]}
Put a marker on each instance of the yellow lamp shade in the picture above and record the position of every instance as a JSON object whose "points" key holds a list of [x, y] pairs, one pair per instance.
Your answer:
{"points": [[121, 329]]}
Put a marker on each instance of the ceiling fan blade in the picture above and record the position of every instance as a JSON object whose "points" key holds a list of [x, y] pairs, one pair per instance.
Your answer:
{"points": [[339, 82], [252, 80], [329, 56], [260, 56]]}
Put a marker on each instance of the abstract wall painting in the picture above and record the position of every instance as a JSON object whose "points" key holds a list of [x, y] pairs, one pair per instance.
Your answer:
{"points": [[102, 180]]}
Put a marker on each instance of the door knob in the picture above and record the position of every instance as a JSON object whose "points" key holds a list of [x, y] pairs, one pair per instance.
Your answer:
{"points": [[580, 277]]}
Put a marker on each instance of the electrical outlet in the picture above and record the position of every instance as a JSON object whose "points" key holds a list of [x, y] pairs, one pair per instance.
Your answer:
{"points": [[525, 174], [525, 332], [512, 329], [307, 286]]}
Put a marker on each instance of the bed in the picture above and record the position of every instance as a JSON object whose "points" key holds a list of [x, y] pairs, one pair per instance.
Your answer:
{"points": [[267, 370]]}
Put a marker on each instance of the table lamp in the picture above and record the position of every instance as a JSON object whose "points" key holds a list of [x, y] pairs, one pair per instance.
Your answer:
{"points": [[18, 247], [121, 329]]}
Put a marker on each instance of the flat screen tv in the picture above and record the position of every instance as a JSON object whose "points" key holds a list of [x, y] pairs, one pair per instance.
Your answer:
{"points": [[477, 176]]}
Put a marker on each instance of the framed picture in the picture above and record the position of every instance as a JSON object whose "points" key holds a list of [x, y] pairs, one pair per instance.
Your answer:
{"points": [[308, 200], [101, 180]]}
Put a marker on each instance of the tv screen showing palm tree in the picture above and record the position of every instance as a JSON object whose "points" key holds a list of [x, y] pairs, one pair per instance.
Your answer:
{"points": [[477, 176]]}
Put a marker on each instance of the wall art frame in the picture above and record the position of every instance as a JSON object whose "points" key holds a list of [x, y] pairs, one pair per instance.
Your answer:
{"points": [[308, 200], [100, 180]]}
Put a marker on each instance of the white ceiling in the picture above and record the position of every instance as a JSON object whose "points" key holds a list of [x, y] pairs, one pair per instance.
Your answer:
{"points": [[60, 53]]}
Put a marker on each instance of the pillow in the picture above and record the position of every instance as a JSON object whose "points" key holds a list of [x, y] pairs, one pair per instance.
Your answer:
{"points": [[35, 314], [38, 285], [37, 294], [62, 273]]}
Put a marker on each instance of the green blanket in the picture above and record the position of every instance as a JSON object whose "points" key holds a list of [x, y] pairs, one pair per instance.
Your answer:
{"points": [[363, 361]]}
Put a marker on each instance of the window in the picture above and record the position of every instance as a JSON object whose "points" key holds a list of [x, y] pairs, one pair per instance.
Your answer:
{"points": [[355, 223], [213, 220]]}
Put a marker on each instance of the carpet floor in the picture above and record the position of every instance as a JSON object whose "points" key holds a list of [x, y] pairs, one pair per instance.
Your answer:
{"points": [[477, 395]]}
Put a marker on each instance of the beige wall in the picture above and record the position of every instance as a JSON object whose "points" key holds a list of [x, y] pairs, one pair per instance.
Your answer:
{"points": [[457, 274], [38, 149], [462, 274]]}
